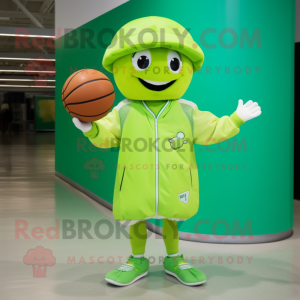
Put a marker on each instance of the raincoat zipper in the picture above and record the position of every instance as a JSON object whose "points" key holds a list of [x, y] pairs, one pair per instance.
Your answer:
{"points": [[156, 151]]}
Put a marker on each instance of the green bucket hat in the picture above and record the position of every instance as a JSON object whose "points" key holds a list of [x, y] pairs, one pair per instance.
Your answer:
{"points": [[152, 32]]}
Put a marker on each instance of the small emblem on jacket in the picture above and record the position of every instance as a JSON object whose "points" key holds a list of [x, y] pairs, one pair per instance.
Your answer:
{"points": [[177, 141], [184, 197]]}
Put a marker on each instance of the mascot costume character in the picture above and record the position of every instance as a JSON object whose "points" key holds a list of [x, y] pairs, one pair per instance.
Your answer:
{"points": [[153, 71]]}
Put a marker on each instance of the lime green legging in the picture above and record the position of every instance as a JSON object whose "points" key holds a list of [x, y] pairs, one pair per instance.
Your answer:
{"points": [[138, 237]]}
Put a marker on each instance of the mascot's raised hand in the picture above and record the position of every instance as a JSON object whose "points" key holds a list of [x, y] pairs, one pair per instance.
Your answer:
{"points": [[248, 111]]}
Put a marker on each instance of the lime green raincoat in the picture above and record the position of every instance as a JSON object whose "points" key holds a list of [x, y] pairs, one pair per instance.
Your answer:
{"points": [[156, 174]]}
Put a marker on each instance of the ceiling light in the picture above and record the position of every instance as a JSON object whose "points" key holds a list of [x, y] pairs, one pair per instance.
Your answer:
{"points": [[11, 79], [26, 36], [18, 71], [27, 86], [35, 59]]}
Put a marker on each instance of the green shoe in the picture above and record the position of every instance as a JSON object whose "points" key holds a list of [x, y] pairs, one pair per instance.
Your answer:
{"points": [[128, 273], [185, 273]]}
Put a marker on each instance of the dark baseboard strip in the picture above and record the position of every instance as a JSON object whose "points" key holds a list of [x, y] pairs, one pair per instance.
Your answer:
{"points": [[255, 239], [84, 190]]}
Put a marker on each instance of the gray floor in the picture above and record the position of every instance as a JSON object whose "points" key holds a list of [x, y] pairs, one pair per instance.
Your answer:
{"points": [[31, 194]]}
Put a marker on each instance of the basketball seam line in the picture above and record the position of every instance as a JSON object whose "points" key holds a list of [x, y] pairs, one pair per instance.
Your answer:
{"points": [[84, 84], [68, 85], [73, 103], [91, 116], [71, 80]]}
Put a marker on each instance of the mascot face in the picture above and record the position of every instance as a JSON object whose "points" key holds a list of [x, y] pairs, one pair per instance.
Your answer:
{"points": [[153, 74]]}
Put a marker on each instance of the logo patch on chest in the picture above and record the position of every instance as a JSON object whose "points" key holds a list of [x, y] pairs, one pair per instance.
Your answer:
{"points": [[184, 197], [177, 141]]}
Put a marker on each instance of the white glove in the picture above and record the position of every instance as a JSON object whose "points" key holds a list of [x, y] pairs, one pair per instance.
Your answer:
{"points": [[248, 111], [83, 126]]}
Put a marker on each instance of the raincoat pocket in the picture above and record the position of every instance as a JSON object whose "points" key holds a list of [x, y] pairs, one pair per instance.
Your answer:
{"points": [[122, 179]]}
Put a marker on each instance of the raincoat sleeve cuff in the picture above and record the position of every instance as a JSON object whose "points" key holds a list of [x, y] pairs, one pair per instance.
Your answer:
{"points": [[93, 132], [237, 121]]}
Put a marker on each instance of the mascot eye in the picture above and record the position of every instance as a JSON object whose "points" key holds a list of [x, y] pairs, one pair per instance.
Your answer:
{"points": [[141, 60], [174, 61]]}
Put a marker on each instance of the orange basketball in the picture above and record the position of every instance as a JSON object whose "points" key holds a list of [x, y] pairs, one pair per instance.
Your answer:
{"points": [[88, 95]]}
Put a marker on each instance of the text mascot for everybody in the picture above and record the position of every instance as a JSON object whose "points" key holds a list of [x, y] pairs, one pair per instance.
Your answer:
{"points": [[153, 71]]}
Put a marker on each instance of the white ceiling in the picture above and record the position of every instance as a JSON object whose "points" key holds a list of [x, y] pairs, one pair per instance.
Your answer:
{"points": [[81, 12]]}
